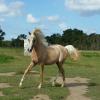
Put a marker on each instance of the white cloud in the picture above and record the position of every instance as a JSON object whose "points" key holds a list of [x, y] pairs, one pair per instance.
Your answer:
{"points": [[43, 27], [84, 6], [16, 7], [31, 19], [53, 18], [3, 8], [2, 19], [11, 9], [62, 26]]}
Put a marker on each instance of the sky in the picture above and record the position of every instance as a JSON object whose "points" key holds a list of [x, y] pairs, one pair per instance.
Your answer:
{"points": [[51, 16]]}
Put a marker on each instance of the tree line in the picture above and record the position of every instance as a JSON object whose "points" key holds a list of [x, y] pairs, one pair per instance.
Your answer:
{"points": [[76, 37], [14, 42]]}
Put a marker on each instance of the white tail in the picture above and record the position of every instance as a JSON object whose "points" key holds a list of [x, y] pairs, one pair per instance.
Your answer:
{"points": [[73, 52]]}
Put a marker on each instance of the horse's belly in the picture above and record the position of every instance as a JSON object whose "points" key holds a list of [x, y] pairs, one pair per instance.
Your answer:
{"points": [[50, 62], [51, 59]]}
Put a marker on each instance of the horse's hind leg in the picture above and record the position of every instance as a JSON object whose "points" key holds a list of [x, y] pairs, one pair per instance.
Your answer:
{"points": [[54, 80], [62, 72], [26, 71]]}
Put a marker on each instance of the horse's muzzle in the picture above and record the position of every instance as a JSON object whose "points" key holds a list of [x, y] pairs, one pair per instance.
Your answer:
{"points": [[29, 50]]}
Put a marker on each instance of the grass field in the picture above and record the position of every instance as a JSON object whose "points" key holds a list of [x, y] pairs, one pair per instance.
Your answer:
{"points": [[12, 60]]}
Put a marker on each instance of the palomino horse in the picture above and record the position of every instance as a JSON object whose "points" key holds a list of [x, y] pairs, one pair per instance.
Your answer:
{"points": [[43, 54]]}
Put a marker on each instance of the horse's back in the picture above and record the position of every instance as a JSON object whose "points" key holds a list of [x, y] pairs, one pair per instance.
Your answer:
{"points": [[55, 53]]}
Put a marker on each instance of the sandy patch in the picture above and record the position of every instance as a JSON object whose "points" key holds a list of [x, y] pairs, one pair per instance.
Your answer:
{"points": [[41, 97], [34, 72], [1, 94], [8, 74], [4, 85], [77, 87]]}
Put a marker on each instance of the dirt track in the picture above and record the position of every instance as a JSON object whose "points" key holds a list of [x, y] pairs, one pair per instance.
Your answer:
{"points": [[5, 85], [8, 74], [77, 87]]}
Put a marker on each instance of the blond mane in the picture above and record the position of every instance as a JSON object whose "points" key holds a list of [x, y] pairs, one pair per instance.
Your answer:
{"points": [[40, 36]]}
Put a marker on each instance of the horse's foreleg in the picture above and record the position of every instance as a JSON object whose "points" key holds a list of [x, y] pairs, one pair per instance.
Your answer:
{"points": [[26, 71], [41, 76]]}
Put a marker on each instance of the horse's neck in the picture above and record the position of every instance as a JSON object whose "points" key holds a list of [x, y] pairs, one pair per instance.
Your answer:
{"points": [[40, 49]]}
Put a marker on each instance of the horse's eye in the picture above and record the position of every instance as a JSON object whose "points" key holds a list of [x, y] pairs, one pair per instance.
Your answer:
{"points": [[33, 40]]}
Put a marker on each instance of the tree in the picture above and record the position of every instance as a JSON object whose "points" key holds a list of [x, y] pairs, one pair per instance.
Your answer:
{"points": [[2, 33], [54, 39], [74, 37], [19, 41], [94, 40], [21, 37]]}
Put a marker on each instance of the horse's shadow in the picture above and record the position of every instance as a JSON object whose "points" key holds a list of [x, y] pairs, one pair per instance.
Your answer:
{"points": [[80, 84], [75, 84]]}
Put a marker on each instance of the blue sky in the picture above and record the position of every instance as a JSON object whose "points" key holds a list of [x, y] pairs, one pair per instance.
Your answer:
{"points": [[52, 16]]}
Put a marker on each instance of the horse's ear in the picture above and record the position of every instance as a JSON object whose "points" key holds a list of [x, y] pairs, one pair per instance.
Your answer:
{"points": [[29, 33]]}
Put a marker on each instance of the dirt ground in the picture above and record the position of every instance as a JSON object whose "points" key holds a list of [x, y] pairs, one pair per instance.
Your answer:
{"points": [[1, 94], [5, 85], [8, 74], [41, 97], [77, 87]]}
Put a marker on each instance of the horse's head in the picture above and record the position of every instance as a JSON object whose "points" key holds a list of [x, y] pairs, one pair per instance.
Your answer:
{"points": [[33, 37], [31, 40], [36, 38]]}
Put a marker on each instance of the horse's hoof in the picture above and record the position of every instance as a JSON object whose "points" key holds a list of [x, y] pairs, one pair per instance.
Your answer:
{"points": [[39, 87], [62, 85], [20, 85], [53, 83]]}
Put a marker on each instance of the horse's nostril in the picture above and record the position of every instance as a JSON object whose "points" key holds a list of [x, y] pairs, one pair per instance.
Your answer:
{"points": [[28, 50]]}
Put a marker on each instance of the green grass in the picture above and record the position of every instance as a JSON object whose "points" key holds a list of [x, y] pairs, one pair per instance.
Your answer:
{"points": [[5, 58], [12, 60]]}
